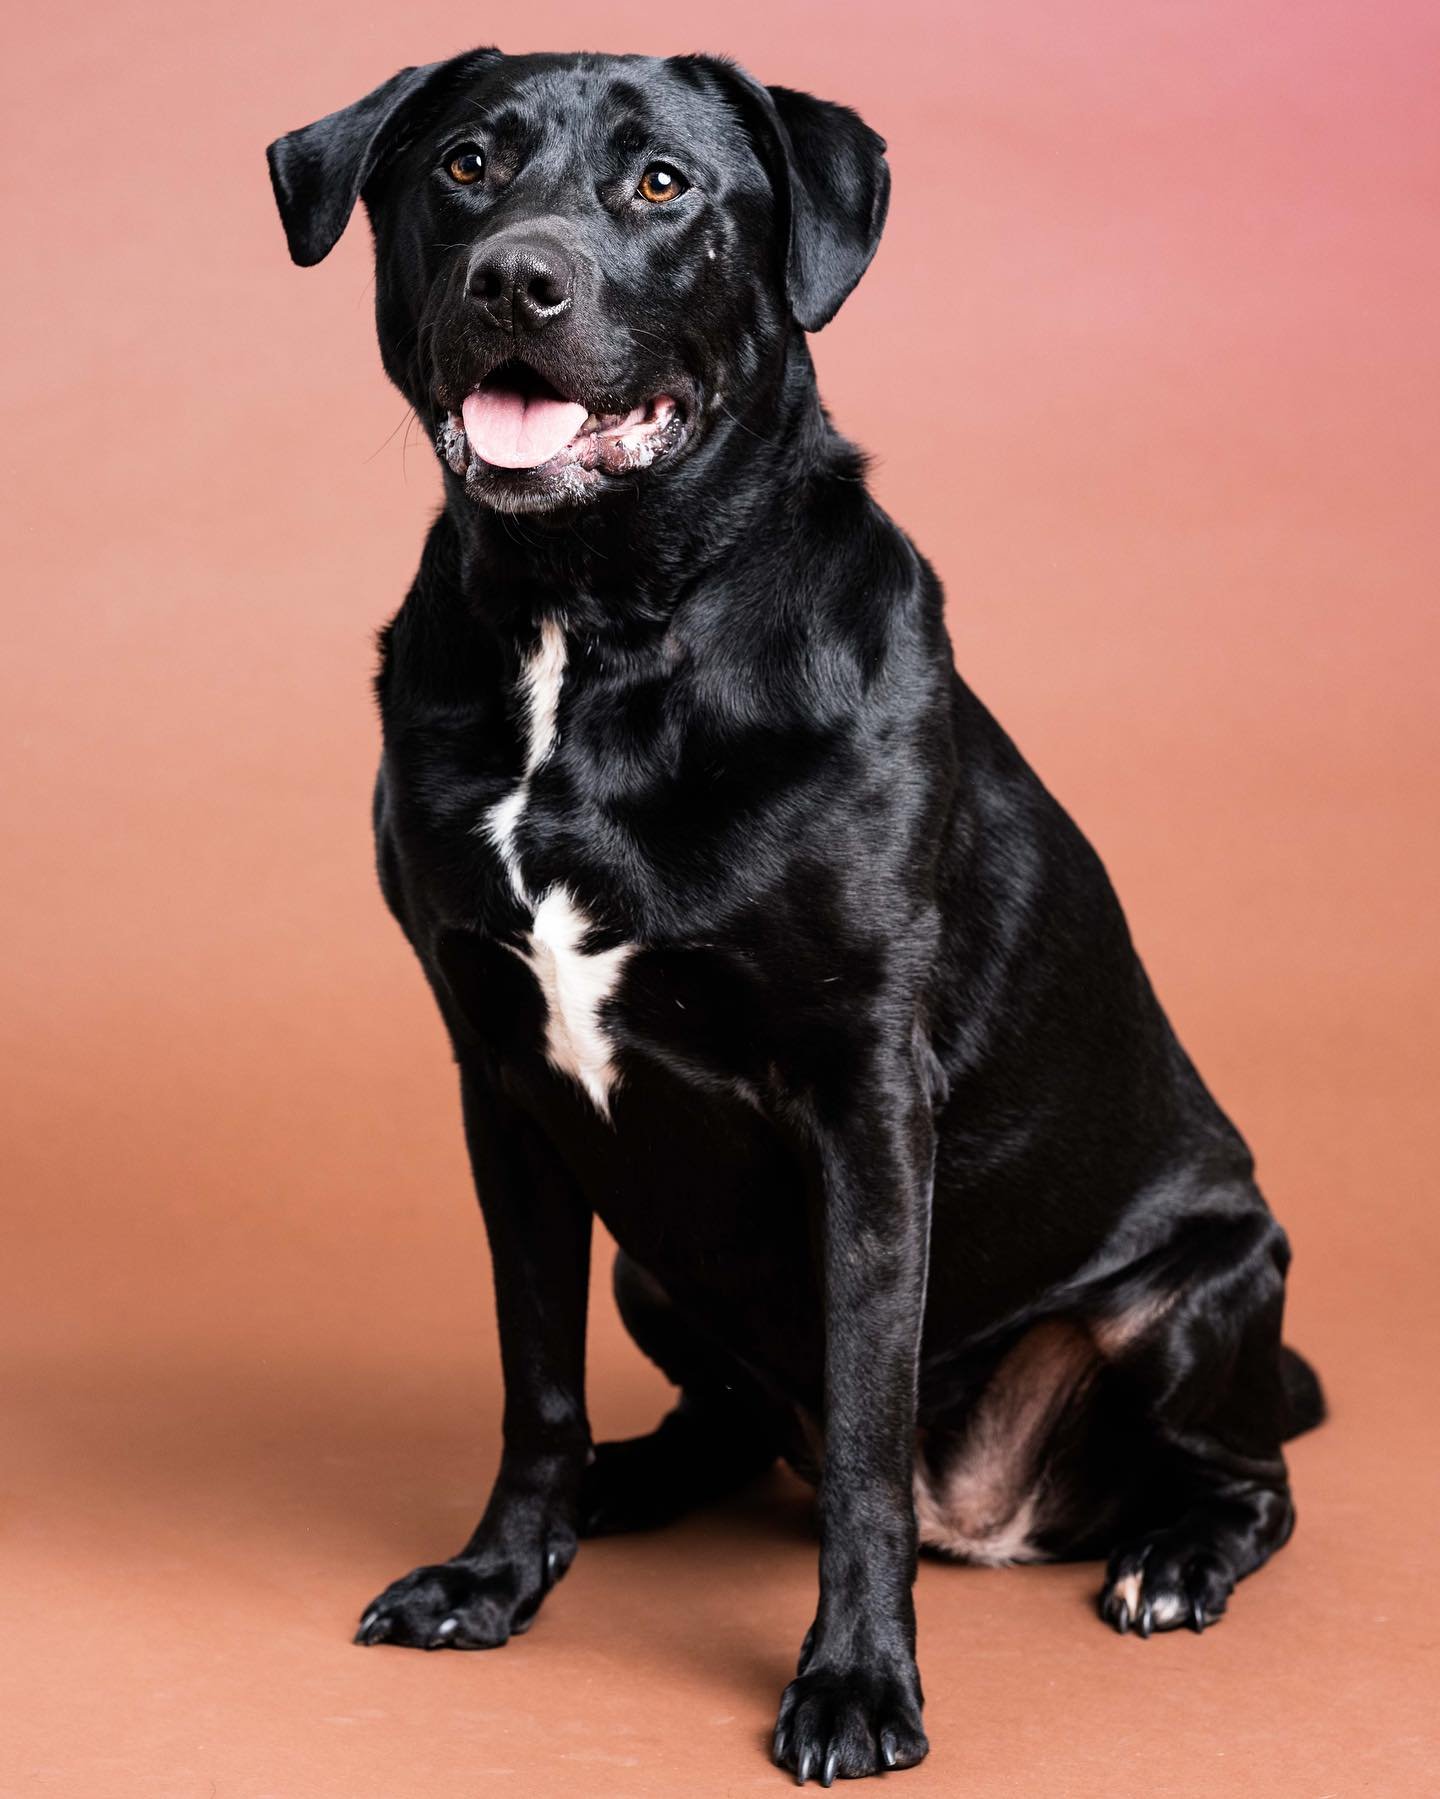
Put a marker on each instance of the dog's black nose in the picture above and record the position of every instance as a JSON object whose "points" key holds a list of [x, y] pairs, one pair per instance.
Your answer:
{"points": [[522, 284]]}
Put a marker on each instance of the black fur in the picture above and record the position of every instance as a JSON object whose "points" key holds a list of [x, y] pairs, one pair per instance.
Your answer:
{"points": [[898, 1138]]}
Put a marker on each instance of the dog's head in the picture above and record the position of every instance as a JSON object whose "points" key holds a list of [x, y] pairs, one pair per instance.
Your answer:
{"points": [[587, 263]]}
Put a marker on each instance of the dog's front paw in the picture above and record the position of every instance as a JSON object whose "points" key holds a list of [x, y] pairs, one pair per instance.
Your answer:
{"points": [[850, 1722], [456, 1605]]}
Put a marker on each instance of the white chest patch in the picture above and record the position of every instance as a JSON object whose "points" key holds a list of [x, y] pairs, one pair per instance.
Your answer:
{"points": [[575, 985], [539, 685]]}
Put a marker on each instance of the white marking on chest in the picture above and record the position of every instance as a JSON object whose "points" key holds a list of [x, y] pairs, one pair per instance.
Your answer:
{"points": [[575, 985], [539, 686]]}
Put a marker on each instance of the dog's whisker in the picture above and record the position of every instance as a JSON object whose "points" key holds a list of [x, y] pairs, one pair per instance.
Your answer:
{"points": [[403, 423]]}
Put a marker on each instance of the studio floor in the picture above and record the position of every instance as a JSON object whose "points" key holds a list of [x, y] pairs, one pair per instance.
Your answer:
{"points": [[189, 1537]]}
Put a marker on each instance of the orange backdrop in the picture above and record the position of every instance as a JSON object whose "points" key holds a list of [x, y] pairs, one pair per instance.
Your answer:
{"points": [[1150, 367]]}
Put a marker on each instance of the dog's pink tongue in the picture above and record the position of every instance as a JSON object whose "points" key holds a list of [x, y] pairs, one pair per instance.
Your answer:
{"points": [[511, 430]]}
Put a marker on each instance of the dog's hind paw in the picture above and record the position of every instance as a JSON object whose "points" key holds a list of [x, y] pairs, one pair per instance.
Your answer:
{"points": [[639, 1484], [694, 1457], [1166, 1582], [849, 1724]]}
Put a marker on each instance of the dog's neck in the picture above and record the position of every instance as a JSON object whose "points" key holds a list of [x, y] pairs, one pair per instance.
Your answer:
{"points": [[616, 570]]}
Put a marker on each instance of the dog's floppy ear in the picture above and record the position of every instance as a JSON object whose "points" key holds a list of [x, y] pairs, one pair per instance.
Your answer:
{"points": [[832, 179], [320, 171], [839, 185]]}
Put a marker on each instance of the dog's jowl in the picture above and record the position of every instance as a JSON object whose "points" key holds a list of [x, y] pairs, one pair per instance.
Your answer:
{"points": [[753, 933]]}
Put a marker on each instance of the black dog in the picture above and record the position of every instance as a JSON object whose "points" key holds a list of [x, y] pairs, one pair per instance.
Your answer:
{"points": [[753, 932]]}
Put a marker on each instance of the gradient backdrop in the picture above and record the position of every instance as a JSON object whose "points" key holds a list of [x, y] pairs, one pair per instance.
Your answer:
{"points": [[1150, 366]]}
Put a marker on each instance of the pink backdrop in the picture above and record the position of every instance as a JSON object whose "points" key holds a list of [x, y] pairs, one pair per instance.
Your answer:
{"points": [[1150, 368]]}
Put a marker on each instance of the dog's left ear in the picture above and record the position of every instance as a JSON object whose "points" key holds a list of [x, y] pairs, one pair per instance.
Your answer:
{"points": [[839, 194], [320, 171], [831, 177]]}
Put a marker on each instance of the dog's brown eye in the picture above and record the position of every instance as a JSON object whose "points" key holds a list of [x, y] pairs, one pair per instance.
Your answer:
{"points": [[467, 166], [660, 183]]}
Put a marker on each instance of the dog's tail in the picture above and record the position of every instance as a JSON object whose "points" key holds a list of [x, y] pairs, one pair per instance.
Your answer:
{"points": [[1304, 1397]]}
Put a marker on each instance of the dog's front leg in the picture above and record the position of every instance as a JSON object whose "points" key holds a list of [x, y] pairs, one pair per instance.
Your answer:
{"points": [[854, 1707], [539, 1233]]}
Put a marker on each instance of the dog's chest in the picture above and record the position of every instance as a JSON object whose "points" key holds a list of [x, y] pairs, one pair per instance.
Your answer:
{"points": [[592, 887], [575, 981]]}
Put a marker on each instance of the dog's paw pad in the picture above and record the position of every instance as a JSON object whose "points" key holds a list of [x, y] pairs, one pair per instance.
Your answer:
{"points": [[1163, 1584]]}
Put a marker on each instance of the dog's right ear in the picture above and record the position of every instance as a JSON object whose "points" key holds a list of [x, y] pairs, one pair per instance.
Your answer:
{"points": [[320, 171]]}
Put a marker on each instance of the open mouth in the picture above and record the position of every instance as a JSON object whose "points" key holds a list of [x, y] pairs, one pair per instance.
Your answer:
{"points": [[515, 420]]}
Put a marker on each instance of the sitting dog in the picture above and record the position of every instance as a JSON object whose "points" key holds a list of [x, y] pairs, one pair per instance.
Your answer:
{"points": [[753, 933]]}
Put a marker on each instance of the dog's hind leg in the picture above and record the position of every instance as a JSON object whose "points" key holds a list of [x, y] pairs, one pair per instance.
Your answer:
{"points": [[721, 1434], [1203, 1362]]}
